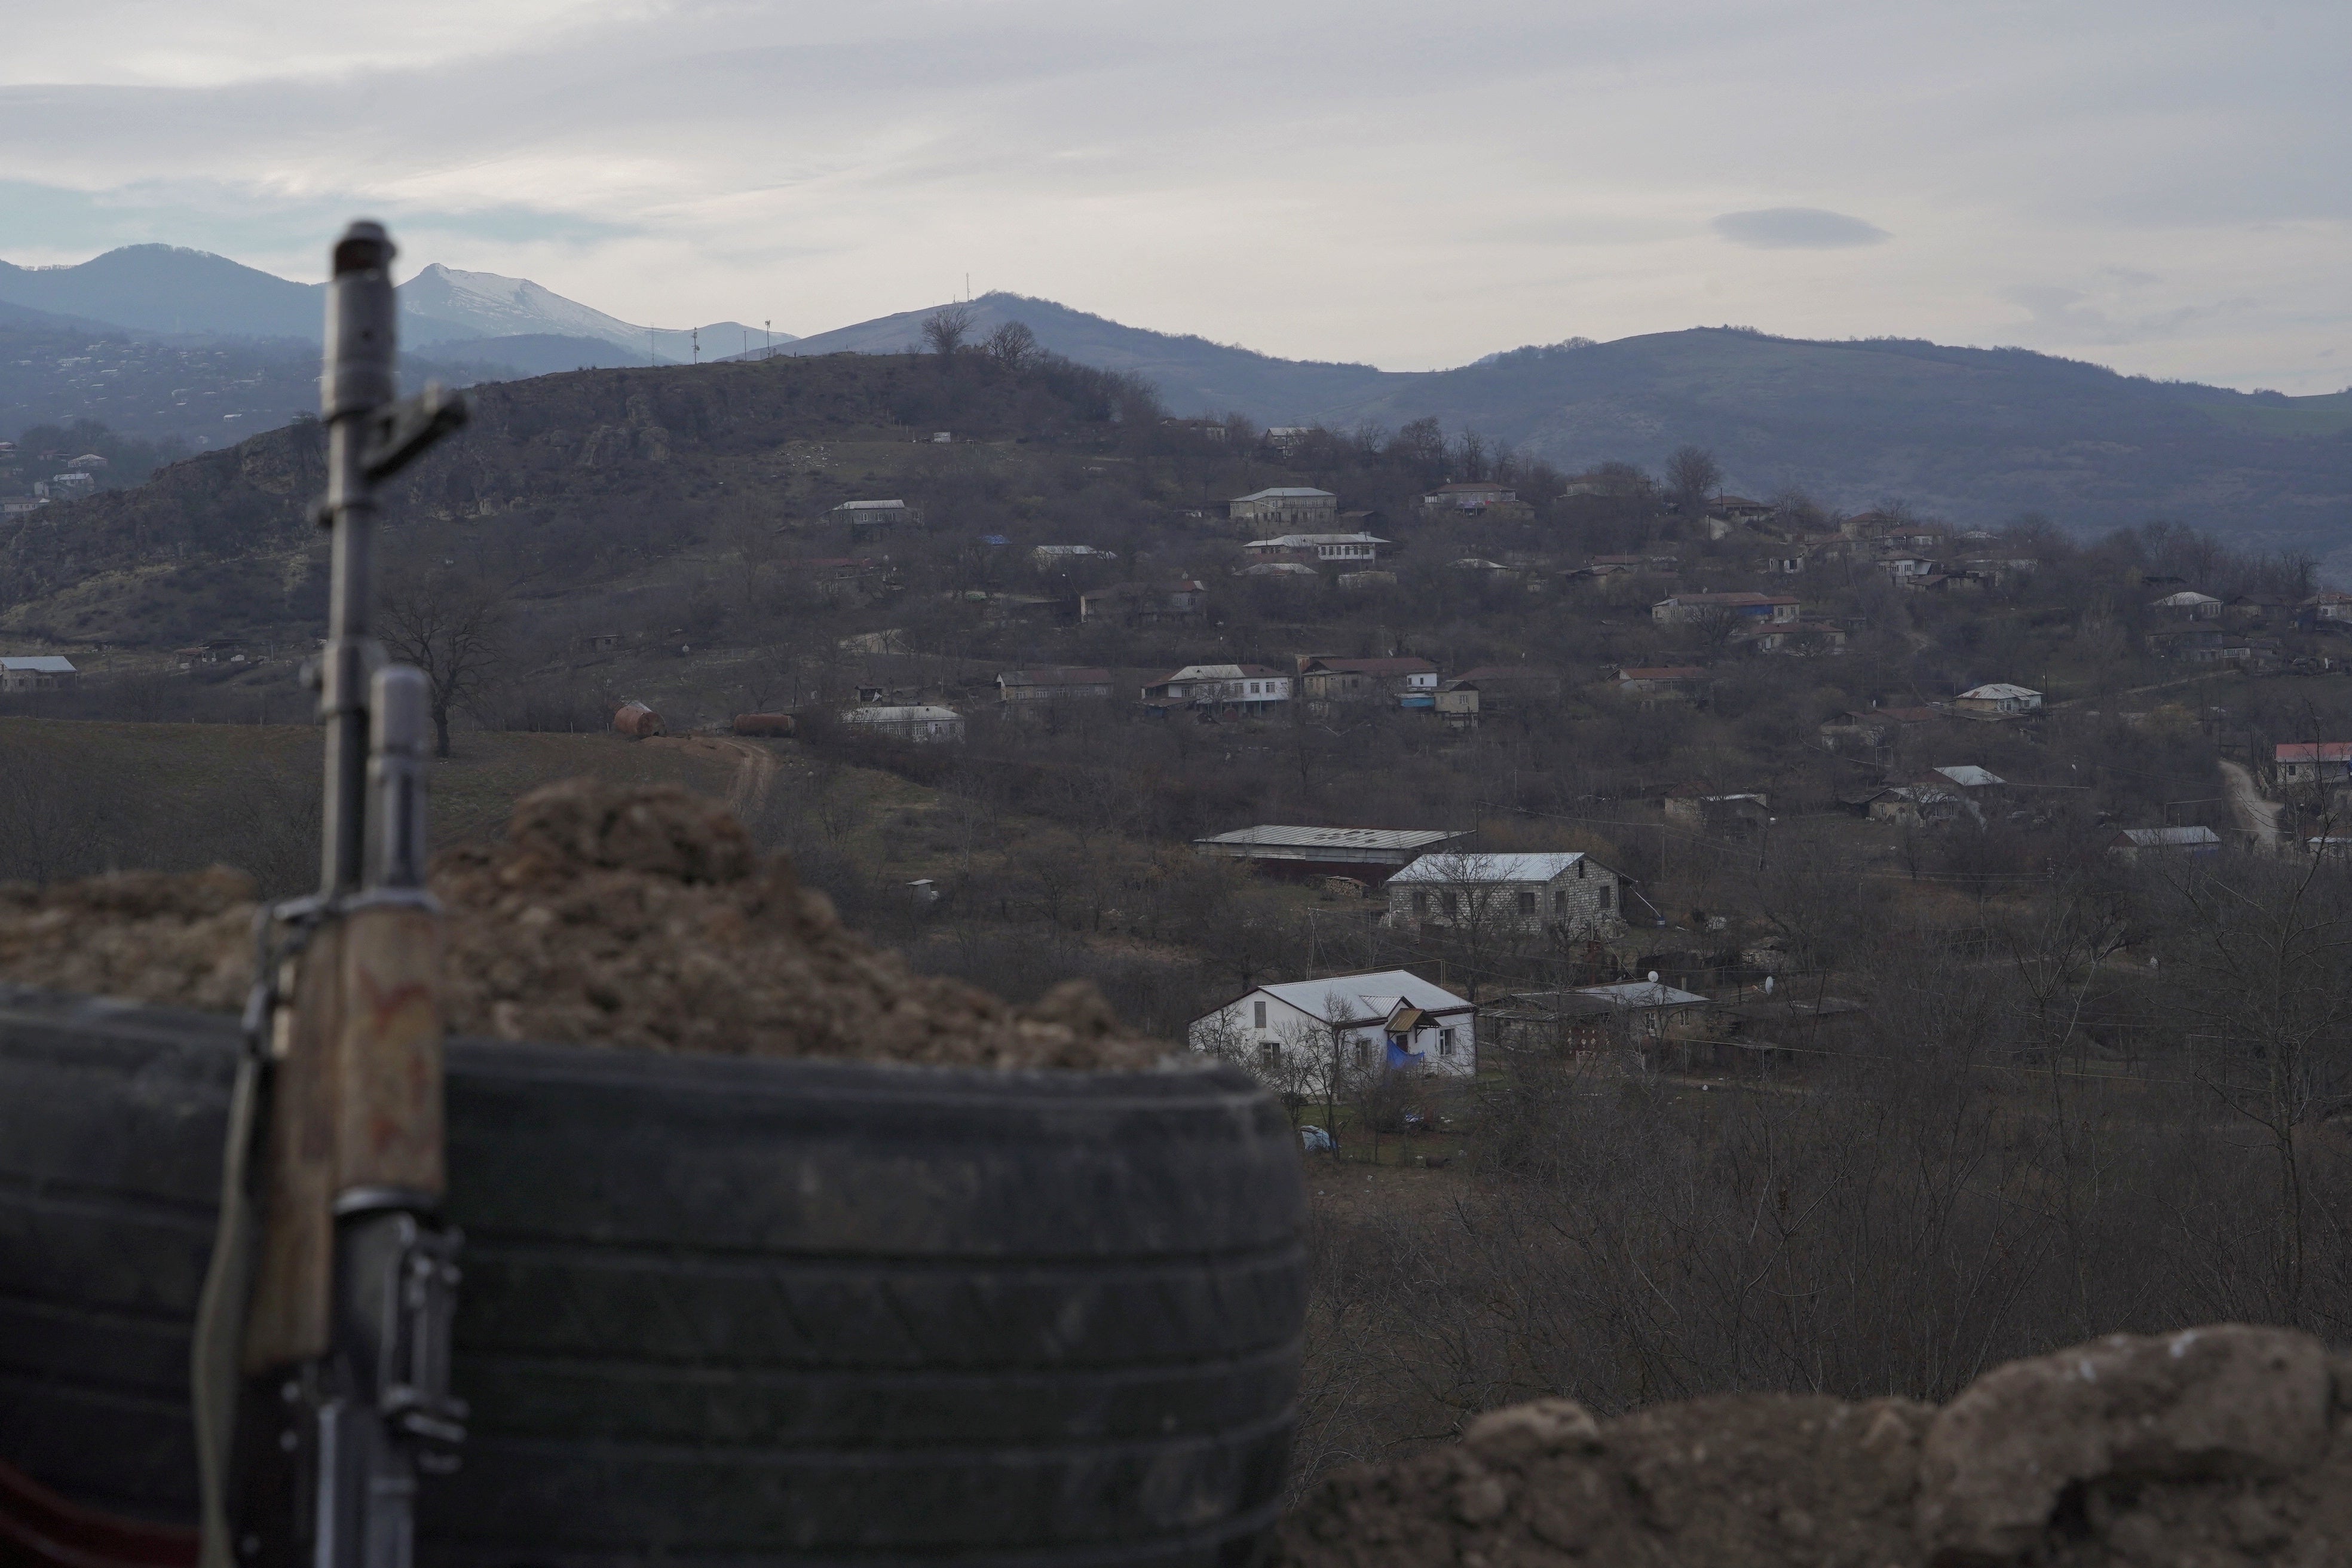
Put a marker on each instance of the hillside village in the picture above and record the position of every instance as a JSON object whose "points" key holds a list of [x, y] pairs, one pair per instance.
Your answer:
{"points": [[1148, 636], [1725, 883]]}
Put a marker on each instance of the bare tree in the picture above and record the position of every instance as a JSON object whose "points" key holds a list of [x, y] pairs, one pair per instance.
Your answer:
{"points": [[1011, 345], [1692, 476], [452, 628], [946, 329]]}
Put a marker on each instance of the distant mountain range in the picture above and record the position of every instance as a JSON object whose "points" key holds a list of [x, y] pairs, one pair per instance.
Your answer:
{"points": [[1974, 435], [459, 315]]}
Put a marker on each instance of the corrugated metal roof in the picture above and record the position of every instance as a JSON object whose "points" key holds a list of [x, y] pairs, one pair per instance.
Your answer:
{"points": [[1998, 689], [2312, 752], [1288, 492], [1366, 998], [1405, 665], [1272, 836], [871, 505], [39, 664], [1642, 994], [1462, 868], [1971, 776], [1307, 541], [2171, 838]]}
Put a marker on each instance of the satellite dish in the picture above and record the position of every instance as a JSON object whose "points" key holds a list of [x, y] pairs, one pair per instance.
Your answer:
{"points": [[1654, 977], [1768, 985]]}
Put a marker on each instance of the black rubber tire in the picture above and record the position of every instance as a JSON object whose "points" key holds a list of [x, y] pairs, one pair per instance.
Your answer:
{"points": [[727, 1311]]}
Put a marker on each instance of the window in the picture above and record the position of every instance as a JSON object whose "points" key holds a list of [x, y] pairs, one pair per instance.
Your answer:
{"points": [[1445, 901], [1270, 1054], [1560, 900], [1580, 870], [1526, 901], [1606, 890], [1363, 1053], [1259, 1009], [1444, 1042], [1420, 905]]}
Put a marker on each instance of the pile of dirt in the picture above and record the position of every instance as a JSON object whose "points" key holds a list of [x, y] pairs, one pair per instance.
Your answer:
{"points": [[2224, 1447], [643, 919]]}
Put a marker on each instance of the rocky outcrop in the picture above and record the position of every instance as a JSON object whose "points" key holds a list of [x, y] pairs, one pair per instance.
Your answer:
{"points": [[2225, 1446]]}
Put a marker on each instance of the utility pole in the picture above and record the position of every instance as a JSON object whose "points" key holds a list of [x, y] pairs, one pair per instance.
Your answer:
{"points": [[321, 1358], [696, 335]]}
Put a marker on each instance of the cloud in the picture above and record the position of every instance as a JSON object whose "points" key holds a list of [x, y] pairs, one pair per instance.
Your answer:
{"points": [[2061, 315], [822, 163], [1798, 228]]}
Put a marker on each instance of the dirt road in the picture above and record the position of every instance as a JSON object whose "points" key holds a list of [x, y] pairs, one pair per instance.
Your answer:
{"points": [[755, 767], [2257, 816]]}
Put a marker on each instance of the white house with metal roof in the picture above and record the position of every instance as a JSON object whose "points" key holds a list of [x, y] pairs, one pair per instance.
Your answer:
{"points": [[1997, 699], [1566, 893], [37, 672], [1311, 1034]]}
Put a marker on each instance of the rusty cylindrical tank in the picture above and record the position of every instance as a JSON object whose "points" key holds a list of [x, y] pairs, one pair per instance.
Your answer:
{"points": [[636, 719], [763, 724]]}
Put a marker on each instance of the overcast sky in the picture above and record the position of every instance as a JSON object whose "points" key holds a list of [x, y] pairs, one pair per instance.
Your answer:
{"points": [[2155, 185]]}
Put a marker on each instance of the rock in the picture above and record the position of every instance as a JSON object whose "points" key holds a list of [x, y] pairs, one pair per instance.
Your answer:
{"points": [[2228, 1400], [1519, 1432]]}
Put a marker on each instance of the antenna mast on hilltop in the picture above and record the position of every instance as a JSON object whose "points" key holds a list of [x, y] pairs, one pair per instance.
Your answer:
{"points": [[697, 336]]}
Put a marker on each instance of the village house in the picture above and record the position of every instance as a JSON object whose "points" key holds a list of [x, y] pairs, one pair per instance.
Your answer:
{"points": [[1566, 894], [1021, 688], [1685, 609], [1294, 506], [1294, 571], [1361, 582], [2128, 844], [37, 672], [1324, 681], [1547, 1023], [2255, 607], [1473, 497], [866, 517], [1912, 805], [1288, 439], [1716, 813], [1205, 429], [1313, 1037], [918, 723], [1371, 855], [1048, 557], [1353, 547], [1145, 604], [1497, 688], [1997, 700], [2309, 762], [1242, 688], [1659, 1024], [1739, 509], [2328, 604], [2189, 604]]}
